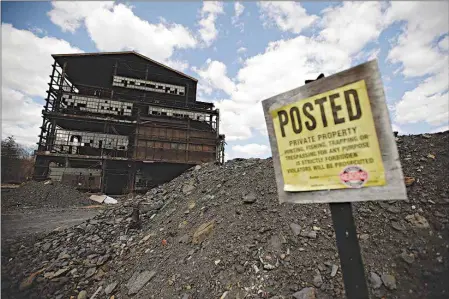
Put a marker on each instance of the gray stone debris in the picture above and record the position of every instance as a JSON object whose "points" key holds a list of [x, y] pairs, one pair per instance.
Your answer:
{"points": [[397, 226], [318, 280], [417, 220], [408, 258], [311, 234], [306, 293], [334, 270], [110, 288], [188, 188], [296, 228], [90, 272], [138, 281], [293, 241], [249, 198], [60, 272], [275, 243], [46, 246], [364, 237], [389, 281], [82, 295], [375, 280], [184, 238], [157, 205], [63, 256]]}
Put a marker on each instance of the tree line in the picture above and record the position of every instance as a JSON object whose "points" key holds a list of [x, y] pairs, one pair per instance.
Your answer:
{"points": [[17, 162]]}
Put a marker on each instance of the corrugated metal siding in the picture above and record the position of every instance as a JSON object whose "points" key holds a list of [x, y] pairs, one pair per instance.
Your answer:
{"points": [[175, 145]]}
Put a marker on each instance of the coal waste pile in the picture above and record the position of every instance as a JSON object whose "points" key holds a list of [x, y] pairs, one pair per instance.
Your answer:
{"points": [[219, 232], [43, 195]]}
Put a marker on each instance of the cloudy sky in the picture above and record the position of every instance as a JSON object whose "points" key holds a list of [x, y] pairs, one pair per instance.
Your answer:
{"points": [[241, 53]]}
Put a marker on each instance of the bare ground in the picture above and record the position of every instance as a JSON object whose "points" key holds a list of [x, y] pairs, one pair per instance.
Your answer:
{"points": [[19, 224]]}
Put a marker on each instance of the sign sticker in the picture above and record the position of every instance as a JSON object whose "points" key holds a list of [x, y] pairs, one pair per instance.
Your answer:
{"points": [[329, 141], [353, 176]]}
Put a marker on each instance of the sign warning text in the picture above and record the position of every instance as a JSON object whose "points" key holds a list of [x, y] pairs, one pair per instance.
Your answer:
{"points": [[329, 141]]}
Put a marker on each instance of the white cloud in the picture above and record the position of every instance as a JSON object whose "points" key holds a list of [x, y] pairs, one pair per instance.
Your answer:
{"points": [[26, 56], [38, 31], [239, 8], [251, 150], [288, 16], [440, 129], [415, 49], [180, 65], [353, 25], [428, 102], [125, 30], [284, 65], [70, 15], [398, 129], [21, 117], [241, 50], [26, 66], [418, 54], [373, 54], [214, 75], [233, 122], [444, 43], [209, 14]]}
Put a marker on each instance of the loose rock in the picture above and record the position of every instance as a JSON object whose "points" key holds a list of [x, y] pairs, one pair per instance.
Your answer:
{"points": [[90, 272], [203, 232], [249, 198], [138, 280], [318, 280], [82, 295], [306, 293], [296, 228], [389, 281], [334, 270], [408, 258], [375, 280], [110, 288], [417, 220]]}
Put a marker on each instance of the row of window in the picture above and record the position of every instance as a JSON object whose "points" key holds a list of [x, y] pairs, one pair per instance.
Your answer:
{"points": [[178, 113], [148, 85], [95, 105], [95, 140], [177, 146]]}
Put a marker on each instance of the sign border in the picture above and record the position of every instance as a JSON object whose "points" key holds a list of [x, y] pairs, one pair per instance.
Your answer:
{"points": [[394, 189]]}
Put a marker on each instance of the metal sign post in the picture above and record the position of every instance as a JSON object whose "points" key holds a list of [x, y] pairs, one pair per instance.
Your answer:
{"points": [[332, 142], [349, 251]]}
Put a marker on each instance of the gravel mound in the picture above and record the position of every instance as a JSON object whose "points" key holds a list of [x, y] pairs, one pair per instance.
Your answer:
{"points": [[219, 232], [43, 195]]}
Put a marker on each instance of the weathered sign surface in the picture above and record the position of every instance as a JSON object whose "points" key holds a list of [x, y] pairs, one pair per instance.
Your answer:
{"points": [[333, 139]]}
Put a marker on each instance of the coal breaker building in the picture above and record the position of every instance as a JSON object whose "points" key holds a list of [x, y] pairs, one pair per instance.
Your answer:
{"points": [[121, 122]]}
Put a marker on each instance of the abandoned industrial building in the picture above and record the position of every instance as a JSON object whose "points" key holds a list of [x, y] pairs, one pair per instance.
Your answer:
{"points": [[121, 122]]}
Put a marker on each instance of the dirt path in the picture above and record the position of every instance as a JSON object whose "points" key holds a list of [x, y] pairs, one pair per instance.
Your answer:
{"points": [[25, 223]]}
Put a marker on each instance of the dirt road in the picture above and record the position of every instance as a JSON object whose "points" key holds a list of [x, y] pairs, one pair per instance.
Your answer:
{"points": [[33, 222]]}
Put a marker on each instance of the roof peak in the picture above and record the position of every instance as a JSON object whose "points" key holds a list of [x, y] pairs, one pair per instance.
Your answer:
{"points": [[124, 52]]}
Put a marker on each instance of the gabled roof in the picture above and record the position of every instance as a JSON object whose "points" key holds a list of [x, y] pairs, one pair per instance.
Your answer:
{"points": [[124, 52]]}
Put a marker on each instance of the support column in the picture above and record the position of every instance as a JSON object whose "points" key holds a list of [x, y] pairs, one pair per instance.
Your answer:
{"points": [[50, 86], [103, 176], [187, 94]]}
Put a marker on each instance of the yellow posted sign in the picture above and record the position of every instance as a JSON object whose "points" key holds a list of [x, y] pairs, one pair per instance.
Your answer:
{"points": [[329, 141]]}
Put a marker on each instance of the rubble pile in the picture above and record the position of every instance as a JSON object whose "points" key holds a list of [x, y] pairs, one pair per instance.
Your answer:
{"points": [[43, 195], [219, 232]]}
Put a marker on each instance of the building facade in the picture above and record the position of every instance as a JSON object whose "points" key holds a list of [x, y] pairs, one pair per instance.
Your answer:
{"points": [[121, 122]]}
